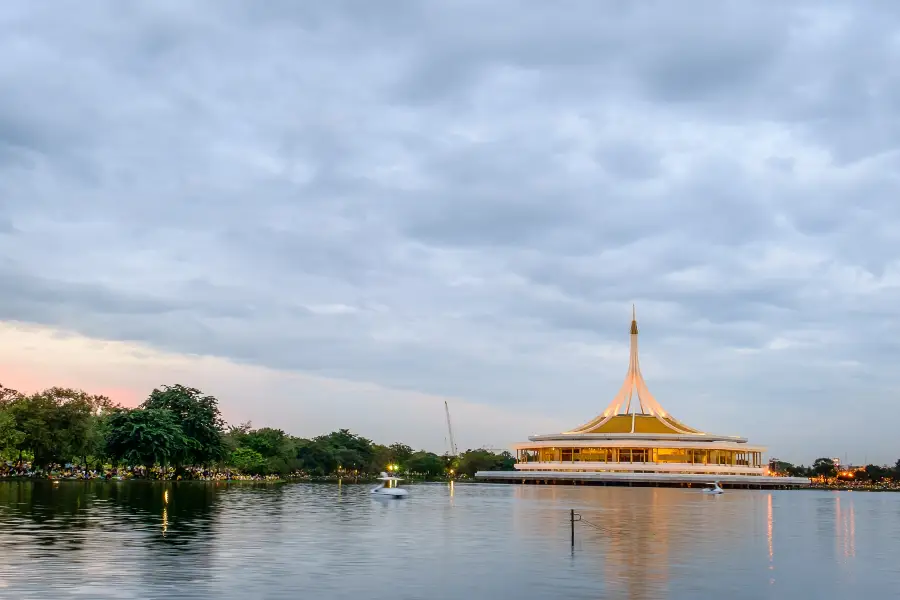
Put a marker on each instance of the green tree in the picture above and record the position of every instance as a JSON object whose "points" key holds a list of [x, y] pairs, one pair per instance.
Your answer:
{"points": [[348, 450], [381, 458], [248, 461], [8, 395], [58, 424], [824, 467], [875, 473], [80, 414], [268, 442], [400, 453], [472, 461], [234, 437], [278, 449], [10, 437], [427, 464], [200, 420], [145, 436], [38, 418], [317, 456], [781, 467]]}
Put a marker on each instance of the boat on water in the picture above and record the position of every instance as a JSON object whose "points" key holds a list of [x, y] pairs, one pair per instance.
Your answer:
{"points": [[713, 488], [388, 488]]}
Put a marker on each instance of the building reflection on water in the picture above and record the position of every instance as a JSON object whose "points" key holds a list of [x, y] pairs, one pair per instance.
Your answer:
{"points": [[845, 527], [649, 538], [631, 539]]}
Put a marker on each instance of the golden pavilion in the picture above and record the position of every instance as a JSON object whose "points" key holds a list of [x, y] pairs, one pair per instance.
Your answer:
{"points": [[635, 441]]}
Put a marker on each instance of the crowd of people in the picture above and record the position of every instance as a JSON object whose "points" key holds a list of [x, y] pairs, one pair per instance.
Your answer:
{"points": [[24, 469], [884, 485]]}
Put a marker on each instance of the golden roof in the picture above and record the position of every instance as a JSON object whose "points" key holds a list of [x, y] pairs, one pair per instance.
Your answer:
{"points": [[637, 423], [618, 416]]}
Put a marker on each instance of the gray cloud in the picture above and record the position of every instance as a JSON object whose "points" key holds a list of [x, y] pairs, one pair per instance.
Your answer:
{"points": [[465, 198]]}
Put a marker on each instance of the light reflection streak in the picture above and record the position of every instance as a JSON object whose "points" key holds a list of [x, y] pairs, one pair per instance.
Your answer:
{"points": [[770, 530], [845, 527], [165, 513]]}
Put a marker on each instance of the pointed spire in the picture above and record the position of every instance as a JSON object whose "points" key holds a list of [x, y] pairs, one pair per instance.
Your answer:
{"points": [[634, 385]]}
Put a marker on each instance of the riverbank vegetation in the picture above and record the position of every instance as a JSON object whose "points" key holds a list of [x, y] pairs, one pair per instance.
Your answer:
{"points": [[179, 431], [826, 474]]}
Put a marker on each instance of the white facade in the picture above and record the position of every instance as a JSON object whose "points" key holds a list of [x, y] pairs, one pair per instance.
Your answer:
{"points": [[649, 446]]}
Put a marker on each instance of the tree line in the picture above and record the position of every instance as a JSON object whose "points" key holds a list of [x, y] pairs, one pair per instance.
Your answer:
{"points": [[181, 427], [826, 468]]}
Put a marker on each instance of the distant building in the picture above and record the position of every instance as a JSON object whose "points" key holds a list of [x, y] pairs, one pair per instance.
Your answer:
{"points": [[646, 447]]}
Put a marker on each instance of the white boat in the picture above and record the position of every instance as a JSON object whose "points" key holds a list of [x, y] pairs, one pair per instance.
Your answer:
{"points": [[713, 488], [388, 488]]}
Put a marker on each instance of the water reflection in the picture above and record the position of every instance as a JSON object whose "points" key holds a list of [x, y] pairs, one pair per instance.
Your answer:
{"points": [[845, 527]]}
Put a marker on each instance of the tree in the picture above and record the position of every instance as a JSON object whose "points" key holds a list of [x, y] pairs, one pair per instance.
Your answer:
{"points": [[350, 451], [400, 453], [58, 424], [145, 436], [200, 420], [875, 473], [39, 419], [233, 438], [472, 461], [317, 457], [248, 461], [8, 395], [824, 467], [426, 463], [10, 437], [80, 414], [267, 441], [381, 458]]}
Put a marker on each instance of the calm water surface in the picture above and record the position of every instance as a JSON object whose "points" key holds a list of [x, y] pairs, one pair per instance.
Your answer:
{"points": [[197, 540]]}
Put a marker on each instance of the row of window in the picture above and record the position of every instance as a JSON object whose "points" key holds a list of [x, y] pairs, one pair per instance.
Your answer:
{"points": [[643, 455]]}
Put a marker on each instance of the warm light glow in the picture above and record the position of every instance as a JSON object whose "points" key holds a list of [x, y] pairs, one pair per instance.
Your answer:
{"points": [[166, 496], [646, 444], [635, 386]]}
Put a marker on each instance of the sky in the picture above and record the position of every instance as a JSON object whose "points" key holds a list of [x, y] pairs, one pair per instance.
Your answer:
{"points": [[343, 214]]}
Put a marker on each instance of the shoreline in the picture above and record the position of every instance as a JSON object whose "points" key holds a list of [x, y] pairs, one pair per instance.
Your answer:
{"points": [[353, 481]]}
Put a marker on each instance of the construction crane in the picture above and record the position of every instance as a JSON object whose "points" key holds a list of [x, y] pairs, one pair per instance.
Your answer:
{"points": [[450, 430]]}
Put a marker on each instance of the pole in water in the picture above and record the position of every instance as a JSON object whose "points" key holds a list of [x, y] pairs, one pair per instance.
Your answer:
{"points": [[572, 523]]}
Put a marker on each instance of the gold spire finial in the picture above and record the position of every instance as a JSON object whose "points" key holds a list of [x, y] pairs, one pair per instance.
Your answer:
{"points": [[634, 328]]}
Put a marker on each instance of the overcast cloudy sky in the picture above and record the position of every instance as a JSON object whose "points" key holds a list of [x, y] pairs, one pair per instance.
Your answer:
{"points": [[342, 213]]}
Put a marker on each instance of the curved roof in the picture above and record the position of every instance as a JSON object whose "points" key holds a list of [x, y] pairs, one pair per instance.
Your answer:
{"points": [[618, 416], [636, 423]]}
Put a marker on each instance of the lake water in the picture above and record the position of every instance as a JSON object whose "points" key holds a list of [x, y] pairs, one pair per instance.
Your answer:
{"points": [[239, 541]]}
